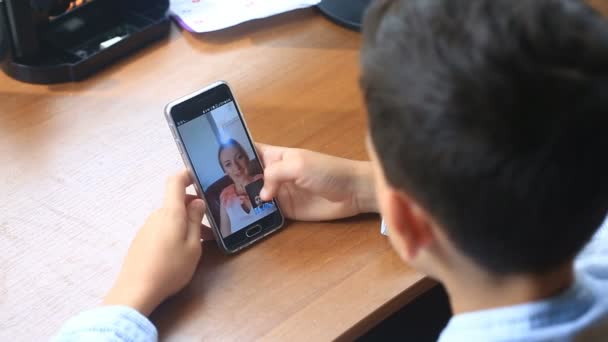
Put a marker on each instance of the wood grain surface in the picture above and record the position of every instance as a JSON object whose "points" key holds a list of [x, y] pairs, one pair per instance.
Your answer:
{"points": [[83, 164]]}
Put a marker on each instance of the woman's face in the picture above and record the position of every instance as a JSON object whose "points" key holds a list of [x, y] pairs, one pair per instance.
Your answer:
{"points": [[235, 163]]}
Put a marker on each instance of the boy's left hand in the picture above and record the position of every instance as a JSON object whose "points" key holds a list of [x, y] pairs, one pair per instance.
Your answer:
{"points": [[165, 252]]}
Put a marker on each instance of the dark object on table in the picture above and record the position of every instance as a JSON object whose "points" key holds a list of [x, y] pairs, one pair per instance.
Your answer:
{"points": [[52, 41], [348, 13]]}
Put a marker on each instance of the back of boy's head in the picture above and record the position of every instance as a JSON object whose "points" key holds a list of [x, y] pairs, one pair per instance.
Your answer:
{"points": [[493, 115]]}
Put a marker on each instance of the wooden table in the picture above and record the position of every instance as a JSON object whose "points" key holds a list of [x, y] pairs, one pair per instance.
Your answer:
{"points": [[83, 164]]}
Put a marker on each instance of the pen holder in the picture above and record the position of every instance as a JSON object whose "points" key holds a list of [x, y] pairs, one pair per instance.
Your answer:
{"points": [[40, 46]]}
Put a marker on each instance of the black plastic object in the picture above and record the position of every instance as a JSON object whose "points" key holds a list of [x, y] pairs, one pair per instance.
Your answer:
{"points": [[52, 7], [348, 13], [4, 39], [36, 47]]}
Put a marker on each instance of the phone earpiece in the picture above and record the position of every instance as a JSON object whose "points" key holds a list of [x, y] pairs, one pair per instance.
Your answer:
{"points": [[50, 7]]}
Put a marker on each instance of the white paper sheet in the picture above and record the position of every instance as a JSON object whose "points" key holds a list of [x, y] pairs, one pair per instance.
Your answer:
{"points": [[211, 15]]}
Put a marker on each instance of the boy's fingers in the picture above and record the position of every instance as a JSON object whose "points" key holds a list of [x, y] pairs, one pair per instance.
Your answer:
{"points": [[190, 198], [269, 154], [176, 189], [261, 146], [196, 209], [274, 176]]}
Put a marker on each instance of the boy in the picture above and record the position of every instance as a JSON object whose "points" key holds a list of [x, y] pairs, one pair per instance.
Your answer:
{"points": [[487, 131]]}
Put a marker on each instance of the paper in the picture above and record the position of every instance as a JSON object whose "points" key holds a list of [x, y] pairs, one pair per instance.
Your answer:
{"points": [[383, 228], [212, 15]]}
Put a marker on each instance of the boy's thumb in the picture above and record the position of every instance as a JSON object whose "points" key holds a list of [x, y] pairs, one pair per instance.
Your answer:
{"points": [[196, 210]]}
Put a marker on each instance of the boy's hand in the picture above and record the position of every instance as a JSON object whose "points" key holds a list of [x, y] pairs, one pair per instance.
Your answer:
{"points": [[164, 254], [312, 186]]}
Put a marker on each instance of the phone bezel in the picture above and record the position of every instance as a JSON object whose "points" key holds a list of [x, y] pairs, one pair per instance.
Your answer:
{"points": [[247, 241]]}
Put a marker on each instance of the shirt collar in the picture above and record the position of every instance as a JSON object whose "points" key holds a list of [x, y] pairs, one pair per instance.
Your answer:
{"points": [[518, 319]]}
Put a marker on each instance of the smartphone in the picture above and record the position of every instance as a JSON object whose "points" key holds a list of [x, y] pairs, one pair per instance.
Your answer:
{"points": [[216, 146]]}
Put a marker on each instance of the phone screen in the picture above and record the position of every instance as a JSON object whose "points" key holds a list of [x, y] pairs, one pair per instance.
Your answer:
{"points": [[225, 163]]}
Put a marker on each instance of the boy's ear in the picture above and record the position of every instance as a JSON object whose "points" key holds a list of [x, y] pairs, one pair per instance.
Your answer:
{"points": [[410, 227]]}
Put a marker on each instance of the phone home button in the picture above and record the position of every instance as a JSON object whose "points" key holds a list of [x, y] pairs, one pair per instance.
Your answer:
{"points": [[255, 230]]}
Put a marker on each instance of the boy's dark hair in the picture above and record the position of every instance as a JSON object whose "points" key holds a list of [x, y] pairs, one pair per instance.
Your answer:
{"points": [[493, 115]]}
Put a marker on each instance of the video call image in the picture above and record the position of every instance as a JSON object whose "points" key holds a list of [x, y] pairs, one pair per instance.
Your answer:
{"points": [[226, 167]]}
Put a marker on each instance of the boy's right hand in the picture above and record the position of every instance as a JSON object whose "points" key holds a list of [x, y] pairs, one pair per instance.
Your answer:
{"points": [[311, 186]]}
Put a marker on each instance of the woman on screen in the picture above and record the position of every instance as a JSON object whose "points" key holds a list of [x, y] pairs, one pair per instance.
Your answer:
{"points": [[236, 209]]}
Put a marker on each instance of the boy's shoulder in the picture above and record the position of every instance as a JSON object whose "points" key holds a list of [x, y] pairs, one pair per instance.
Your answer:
{"points": [[579, 314], [592, 261]]}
